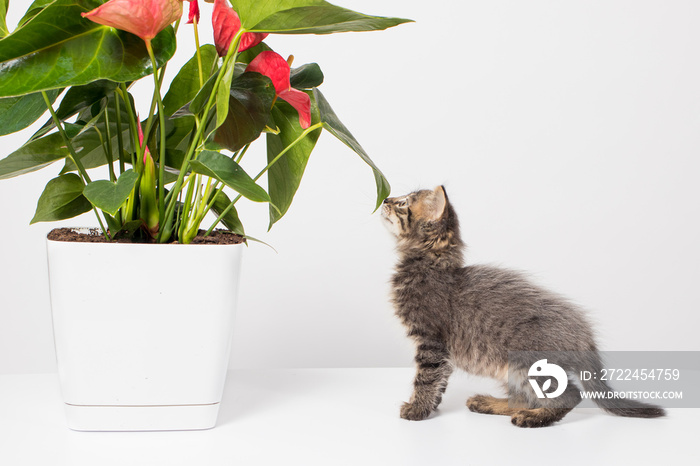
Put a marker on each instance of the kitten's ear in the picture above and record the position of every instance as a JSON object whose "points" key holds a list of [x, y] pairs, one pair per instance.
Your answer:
{"points": [[439, 203]]}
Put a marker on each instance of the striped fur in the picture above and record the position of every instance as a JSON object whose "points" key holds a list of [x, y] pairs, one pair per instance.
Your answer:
{"points": [[471, 317]]}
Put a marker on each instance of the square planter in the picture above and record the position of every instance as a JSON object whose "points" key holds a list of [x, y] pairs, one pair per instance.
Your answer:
{"points": [[142, 332]]}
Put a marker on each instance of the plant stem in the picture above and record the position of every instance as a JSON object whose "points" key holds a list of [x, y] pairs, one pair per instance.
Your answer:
{"points": [[161, 156], [170, 211], [210, 202], [73, 155], [120, 148], [186, 207], [130, 213], [109, 153], [201, 208], [149, 126], [243, 151], [199, 55], [102, 227], [120, 141], [196, 202], [66, 139], [305, 133], [132, 125], [158, 77]]}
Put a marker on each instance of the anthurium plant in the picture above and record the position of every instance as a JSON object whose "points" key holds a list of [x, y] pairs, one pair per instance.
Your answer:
{"points": [[77, 60]]}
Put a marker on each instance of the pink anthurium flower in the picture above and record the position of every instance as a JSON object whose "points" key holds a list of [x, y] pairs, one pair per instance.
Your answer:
{"points": [[193, 14], [226, 24], [272, 65], [144, 18]]}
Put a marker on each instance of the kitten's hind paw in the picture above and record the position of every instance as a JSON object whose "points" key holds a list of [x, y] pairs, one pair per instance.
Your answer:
{"points": [[414, 412], [480, 404], [485, 404], [532, 418]]}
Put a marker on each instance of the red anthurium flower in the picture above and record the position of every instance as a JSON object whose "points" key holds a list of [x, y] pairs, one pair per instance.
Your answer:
{"points": [[145, 18], [251, 39], [226, 24], [272, 65], [193, 12]]}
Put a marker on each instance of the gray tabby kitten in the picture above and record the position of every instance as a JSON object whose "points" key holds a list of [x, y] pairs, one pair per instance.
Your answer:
{"points": [[471, 317]]}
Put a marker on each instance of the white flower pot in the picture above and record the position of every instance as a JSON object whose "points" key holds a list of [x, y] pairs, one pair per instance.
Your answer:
{"points": [[143, 332]]}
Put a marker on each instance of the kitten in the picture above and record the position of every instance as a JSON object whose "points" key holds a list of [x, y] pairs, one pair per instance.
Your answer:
{"points": [[471, 317]]}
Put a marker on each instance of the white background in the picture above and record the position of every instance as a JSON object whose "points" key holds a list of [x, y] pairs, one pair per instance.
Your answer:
{"points": [[566, 134]]}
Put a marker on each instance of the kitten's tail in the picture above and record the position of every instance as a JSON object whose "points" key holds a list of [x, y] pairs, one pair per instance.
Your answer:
{"points": [[600, 393], [620, 406]]}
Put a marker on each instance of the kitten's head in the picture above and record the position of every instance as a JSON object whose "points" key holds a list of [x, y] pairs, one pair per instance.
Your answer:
{"points": [[423, 220]]}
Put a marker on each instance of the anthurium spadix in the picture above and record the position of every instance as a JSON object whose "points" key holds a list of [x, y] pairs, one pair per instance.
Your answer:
{"points": [[144, 18], [272, 65]]}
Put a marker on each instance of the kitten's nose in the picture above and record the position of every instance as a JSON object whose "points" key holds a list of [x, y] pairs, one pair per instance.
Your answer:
{"points": [[386, 201]]}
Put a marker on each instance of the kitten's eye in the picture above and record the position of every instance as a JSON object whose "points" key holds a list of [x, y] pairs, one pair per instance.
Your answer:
{"points": [[402, 203]]}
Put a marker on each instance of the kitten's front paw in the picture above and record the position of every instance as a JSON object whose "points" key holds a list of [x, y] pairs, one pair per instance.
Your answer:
{"points": [[414, 412]]}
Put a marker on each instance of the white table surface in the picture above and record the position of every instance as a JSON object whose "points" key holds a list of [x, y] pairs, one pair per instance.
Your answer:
{"points": [[337, 417]]}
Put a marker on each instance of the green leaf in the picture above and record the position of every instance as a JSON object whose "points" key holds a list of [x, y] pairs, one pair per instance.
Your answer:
{"points": [[112, 223], [89, 143], [249, 55], [99, 114], [252, 12], [128, 229], [78, 98], [62, 198], [58, 48], [71, 129], [230, 220], [33, 156], [178, 133], [108, 196], [227, 171], [200, 99], [185, 85], [34, 9], [306, 76], [305, 17], [16, 113], [3, 14], [250, 101], [285, 175], [337, 128], [223, 94], [322, 18]]}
